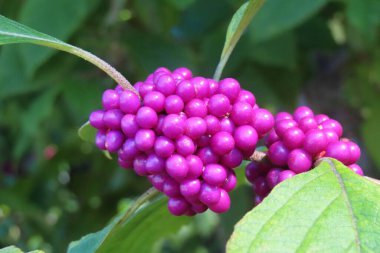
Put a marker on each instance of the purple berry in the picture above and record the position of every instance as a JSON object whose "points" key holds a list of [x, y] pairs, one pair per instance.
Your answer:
{"points": [[214, 174], [260, 186], [272, 177], [158, 181], [293, 138], [299, 161], [246, 138], [164, 147], [354, 152], [202, 88], [166, 85], [271, 138], [222, 143], [203, 141], [177, 167], [209, 194], [284, 175], [278, 153], [357, 169], [282, 115], [340, 151], [190, 187], [229, 87], [186, 91], [262, 121], [110, 99], [321, 118], [227, 125], [174, 104], [112, 118], [178, 206], [129, 125], [315, 141], [145, 139], [129, 102], [154, 164], [195, 165], [331, 136], [146, 117], [223, 204], [195, 127], [114, 140], [129, 150], [139, 165], [171, 188], [218, 105], [185, 146], [196, 108], [246, 96], [232, 159], [125, 164], [283, 125], [307, 123], [100, 139], [301, 112], [241, 113], [96, 119], [185, 72], [213, 124], [208, 156], [333, 125], [213, 86], [145, 88], [173, 126], [155, 100], [231, 181]]}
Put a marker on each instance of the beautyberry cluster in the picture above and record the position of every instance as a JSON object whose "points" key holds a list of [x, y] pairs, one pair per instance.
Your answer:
{"points": [[185, 133], [295, 143]]}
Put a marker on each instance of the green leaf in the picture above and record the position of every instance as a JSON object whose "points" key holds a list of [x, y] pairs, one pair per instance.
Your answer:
{"points": [[65, 17], [13, 249], [278, 16], [87, 133], [13, 32], [237, 26], [138, 233], [329, 209]]}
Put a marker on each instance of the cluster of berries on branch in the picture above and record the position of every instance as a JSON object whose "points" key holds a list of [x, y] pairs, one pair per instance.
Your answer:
{"points": [[293, 146], [185, 134]]}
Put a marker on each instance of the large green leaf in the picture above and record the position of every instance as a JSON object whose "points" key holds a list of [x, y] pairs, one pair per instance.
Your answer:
{"points": [[278, 16], [138, 233], [237, 26], [329, 209]]}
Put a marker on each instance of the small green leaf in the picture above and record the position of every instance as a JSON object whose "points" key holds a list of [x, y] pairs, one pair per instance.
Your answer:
{"points": [[278, 16], [87, 133], [11, 249], [137, 233], [329, 209], [237, 26]]}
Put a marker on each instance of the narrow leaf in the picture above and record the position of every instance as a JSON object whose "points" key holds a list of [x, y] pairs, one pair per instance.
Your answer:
{"points": [[237, 26], [329, 209], [13, 32], [136, 232]]}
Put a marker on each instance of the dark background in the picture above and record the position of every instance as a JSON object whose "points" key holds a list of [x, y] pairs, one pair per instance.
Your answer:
{"points": [[55, 188]]}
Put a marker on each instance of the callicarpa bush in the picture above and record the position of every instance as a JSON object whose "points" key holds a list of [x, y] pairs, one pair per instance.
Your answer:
{"points": [[185, 133]]}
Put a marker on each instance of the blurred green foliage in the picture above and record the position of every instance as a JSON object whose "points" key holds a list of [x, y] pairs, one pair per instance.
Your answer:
{"points": [[54, 188]]}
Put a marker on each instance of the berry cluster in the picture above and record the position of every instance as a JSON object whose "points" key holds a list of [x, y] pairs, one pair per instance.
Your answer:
{"points": [[185, 133], [295, 143]]}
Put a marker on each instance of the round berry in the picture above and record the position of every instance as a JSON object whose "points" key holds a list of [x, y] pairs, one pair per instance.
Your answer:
{"points": [[154, 164], [202, 88], [227, 125], [112, 118], [185, 72], [222, 143], [213, 86], [195, 127], [213, 124], [129, 125], [354, 152], [262, 121], [190, 187], [166, 84], [282, 115], [177, 167], [196, 108], [246, 96], [173, 126], [261, 187], [307, 123], [357, 169], [208, 156], [214, 174], [293, 138], [232, 159], [301, 112], [333, 125], [146, 117], [278, 153], [114, 140], [125, 164], [272, 177], [340, 151], [218, 105], [284, 175], [319, 118], [96, 119], [271, 138], [139, 165], [209, 194], [145, 88], [185, 146], [231, 182], [186, 91], [164, 147], [174, 104], [223, 204], [229, 87], [299, 161], [158, 181], [178, 206], [331, 136], [246, 138], [100, 139], [110, 99], [171, 188], [145, 139], [195, 165], [129, 150], [283, 125], [315, 141], [155, 100], [241, 113]]}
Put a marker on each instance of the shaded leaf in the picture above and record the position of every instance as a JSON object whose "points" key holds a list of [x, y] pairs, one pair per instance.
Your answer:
{"points": [[138, 233], [278, 16], [87, 133], [329, 209]]}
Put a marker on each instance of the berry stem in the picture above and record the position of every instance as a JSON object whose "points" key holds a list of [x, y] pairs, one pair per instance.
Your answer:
{"points": [[258, 156], [144, 198]]}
